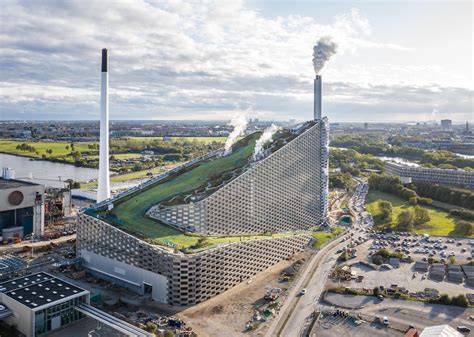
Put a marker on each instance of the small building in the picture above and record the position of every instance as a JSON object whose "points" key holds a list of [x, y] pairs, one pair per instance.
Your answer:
{"points": [[21, 209], [440, 331], [39, 303]]}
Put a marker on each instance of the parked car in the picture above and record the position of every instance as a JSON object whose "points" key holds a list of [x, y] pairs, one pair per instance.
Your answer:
{"points": [[385, 320], [463, 328]]}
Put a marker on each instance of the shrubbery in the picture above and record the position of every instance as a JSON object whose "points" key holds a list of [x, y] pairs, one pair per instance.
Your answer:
{"points": [[444, 299]]}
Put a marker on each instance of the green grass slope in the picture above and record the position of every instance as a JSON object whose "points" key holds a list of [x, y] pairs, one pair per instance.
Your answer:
{"points": [[132, 211]]}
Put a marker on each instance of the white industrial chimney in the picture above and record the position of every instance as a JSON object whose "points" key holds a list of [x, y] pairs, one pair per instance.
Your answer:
{"points": [[318, 88], [104, 182]]}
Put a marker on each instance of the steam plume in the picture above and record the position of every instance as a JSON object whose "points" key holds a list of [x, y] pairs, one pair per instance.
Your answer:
{"points": [[239, 122], [322, 52], [264, 138]]}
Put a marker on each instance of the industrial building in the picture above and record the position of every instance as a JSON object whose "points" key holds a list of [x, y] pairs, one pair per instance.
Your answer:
{"points": [[249, 204], [285, 193], [39, 303], [21, 209], [459, 177], [275, 198]]}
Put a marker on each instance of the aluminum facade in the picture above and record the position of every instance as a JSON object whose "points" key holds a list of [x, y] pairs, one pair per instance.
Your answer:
{"points": [[191, 278], [285, 191]]}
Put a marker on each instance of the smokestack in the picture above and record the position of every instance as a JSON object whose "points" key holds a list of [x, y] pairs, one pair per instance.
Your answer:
{"points": [[104, 182], [318, 88]]}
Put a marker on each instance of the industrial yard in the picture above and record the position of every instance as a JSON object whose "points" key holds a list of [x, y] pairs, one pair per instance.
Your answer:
{"points": [[241, 309]]}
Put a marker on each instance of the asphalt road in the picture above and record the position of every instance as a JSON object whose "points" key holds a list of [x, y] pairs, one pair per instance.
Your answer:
{"points": [[300, 307]]}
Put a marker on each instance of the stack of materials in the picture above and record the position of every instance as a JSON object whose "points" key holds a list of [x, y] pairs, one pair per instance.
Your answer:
{"points": [[469, 272], [437, 271], [455, 273], [421, 266]]}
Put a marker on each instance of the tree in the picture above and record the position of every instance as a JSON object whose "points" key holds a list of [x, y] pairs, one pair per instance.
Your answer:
{"points": [[385, 210], [464, 228], [421, 216], [405, 220], [67, 147], [151, 327], [413, 201], [377, 259], [452, 260], [376, 291], [169, 333], [460, 301]]}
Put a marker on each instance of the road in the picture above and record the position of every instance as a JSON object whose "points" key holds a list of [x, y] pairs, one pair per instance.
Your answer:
{"points": [[19, 246], [295, 315]]}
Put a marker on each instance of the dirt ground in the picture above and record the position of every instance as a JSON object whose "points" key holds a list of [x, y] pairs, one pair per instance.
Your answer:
{"points": [[228, 313]]}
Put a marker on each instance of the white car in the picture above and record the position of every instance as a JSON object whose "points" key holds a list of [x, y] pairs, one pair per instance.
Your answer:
{"points": [[303, 291], [385, 320]]}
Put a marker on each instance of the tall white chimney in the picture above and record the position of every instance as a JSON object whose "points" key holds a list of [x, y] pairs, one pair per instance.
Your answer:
{"points": [[318, 88], [104, 182]]}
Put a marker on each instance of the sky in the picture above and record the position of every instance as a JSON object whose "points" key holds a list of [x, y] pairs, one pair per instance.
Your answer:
{"points": [[396, 61]]}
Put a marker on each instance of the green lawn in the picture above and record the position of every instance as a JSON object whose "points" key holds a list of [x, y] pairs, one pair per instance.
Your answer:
{"points": [[441, 222], [59, 148], [132, 210], [186, 139], [324, 237]]}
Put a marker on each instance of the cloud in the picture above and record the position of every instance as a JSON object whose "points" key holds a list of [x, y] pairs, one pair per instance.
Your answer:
{"points": [[180, 59]]}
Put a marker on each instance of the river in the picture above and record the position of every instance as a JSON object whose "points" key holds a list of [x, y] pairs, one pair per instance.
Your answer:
{"points": [[45, 172], [384, 158]]}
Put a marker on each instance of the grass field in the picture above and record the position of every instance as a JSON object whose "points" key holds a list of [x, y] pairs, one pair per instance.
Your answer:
{"points": [[59, 148], [186, 139], [324, 237], [132, 211], [441, 222]]}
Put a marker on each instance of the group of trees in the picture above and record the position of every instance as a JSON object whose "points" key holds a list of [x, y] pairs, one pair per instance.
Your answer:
{"points": [[451, 195], [459, 300], [410, 218], [25, 147], [463, 228], [393, 185], [341, 180], [385, 211]]}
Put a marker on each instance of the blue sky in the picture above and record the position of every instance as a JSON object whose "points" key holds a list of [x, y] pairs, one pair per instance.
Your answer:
{"points": [[396, 61]]}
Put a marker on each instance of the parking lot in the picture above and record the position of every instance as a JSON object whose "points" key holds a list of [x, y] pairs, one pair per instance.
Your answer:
{"points": [[364, 242], [422, 247], [330, 325]]}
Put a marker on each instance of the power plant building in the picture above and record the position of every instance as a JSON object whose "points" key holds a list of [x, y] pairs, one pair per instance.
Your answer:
{"points": [[258, 210], [21, 209], [284, 193]]}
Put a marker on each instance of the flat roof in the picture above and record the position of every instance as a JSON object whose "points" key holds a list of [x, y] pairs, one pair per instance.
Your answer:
{"points": [[13, 183], [39, 289]]}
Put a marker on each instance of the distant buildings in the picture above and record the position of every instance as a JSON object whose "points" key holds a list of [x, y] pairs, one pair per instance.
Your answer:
{"points": [[446, 124], [433, 175]]}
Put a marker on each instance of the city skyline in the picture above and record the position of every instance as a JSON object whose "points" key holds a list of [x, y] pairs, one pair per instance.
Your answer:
{"points": [[184, 61]]}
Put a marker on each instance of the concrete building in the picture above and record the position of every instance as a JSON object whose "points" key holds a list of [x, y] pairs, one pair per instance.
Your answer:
{"points": [[446, 124], [21, 209], [433, 175], [39, 303], [284, 192]]}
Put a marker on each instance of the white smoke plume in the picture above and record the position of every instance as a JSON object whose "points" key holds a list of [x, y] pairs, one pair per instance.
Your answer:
{"points": [[264, 138], [239, 122], [322, 52]]}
